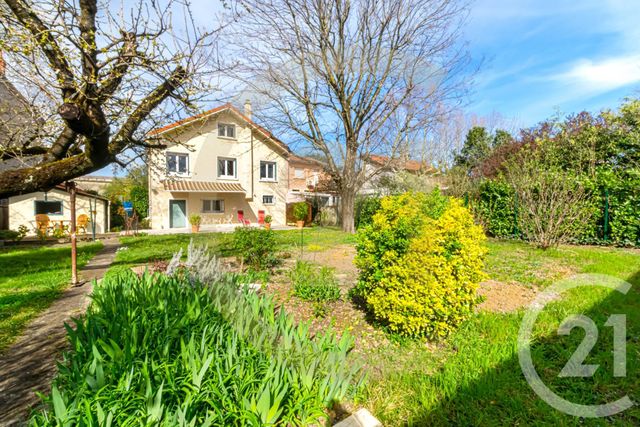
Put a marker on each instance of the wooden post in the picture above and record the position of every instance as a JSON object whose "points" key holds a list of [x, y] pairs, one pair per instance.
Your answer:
{"points": [[71, 187]]}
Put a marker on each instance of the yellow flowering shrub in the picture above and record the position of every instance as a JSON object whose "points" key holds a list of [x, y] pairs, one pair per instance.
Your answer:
{"points": [[421, 281]]}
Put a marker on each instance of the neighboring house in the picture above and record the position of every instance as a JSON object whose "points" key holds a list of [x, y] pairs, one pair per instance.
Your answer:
{"points": [[308, 179], [382, 168], [95, 183], [55, 204], [19, 123], [217, 164]]}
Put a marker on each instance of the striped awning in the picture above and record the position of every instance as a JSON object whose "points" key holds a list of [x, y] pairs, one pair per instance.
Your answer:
{"points": [[203, 187]]}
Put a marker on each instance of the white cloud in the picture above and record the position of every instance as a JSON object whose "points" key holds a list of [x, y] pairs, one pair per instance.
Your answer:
{"points": [[602, 75]]}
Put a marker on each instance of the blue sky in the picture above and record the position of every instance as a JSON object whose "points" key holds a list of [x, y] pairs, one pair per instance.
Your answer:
{"points": [[544, 56], [540, 57]]}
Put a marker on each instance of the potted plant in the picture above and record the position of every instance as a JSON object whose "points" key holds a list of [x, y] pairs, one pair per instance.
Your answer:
{"points": [[300, 212], [267, 222], [195, 221]]}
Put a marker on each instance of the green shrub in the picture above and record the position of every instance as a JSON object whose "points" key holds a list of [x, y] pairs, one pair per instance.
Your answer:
{"points": [[22, 232], [365, 208], [256, 247], [300, 211], [314, 284], [195, 219], [495, 208], [9, 235], [420, 260], [161, 350]]}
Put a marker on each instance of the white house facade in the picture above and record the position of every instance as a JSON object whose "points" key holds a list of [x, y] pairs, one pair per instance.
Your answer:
{"points": [[219, 165], [55, 203]]}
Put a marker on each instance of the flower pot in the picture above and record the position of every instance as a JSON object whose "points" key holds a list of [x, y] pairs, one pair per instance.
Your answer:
{"points": [[267, 226], [195, 228], [300, 224]]}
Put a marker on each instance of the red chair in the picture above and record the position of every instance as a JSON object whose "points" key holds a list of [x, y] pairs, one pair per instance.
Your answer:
{"points": [[241, 218], [261, 216]]}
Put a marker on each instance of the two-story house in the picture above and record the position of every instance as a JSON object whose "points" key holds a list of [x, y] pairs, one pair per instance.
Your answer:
{"points": [[219, 165]]}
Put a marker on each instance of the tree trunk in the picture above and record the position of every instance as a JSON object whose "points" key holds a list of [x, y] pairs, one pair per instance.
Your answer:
{"points": [[347, 200]]}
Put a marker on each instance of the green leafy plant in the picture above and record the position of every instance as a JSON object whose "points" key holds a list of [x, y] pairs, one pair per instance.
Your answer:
{"points": [[22, 232], [9, 235], [195, 219], [314, 284], [420, 263], [194, 348], [365, 208], [300, 211], [60, 233], [268, 219], [256, 247]]}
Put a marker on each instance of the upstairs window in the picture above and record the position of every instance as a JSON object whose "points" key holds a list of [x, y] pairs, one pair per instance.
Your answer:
{"points": [[227, 168], [213, 206], [48, 207], [226, 130], [267, 171], [177, 163], [267, 200], [299, 173]]}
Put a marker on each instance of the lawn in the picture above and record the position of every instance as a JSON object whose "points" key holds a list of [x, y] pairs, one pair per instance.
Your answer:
{"points": [[30, 280], [145, 249], [474, 377]]}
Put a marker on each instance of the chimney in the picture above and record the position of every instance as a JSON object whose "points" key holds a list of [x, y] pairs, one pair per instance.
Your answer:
{"points": [[247, 108], [3, 65]]}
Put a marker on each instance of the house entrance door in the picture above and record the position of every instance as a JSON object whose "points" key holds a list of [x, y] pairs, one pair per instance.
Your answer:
{"points": [[177, 213]]}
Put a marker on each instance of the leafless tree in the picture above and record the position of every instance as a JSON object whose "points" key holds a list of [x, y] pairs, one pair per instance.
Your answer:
{"points": [[553, 206], [351, 77], [94, 78]]}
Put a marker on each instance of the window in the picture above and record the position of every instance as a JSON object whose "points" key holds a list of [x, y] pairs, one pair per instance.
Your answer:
{"points": [[267, 171], [177, 163], [227, 168], [48, 207], [226, 130], [267, 200], [299, 173], [213, 206]]}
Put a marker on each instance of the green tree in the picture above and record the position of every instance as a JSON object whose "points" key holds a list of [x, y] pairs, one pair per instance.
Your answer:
{"points": [[134, 188], [477, 147]]}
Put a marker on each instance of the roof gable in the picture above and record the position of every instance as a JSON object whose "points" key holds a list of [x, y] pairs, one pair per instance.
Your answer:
{"points": [[174, 127]]}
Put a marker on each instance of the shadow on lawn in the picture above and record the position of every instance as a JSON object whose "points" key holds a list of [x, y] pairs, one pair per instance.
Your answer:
{"points": [[501, 395], [30, 280]]}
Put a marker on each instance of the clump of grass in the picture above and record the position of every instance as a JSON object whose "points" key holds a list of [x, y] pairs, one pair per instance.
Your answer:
{"points": [[184, 350], [314, 284]]}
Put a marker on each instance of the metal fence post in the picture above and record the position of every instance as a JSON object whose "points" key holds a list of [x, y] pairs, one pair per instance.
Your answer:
{"points": [[605, 228], [516, 231]]}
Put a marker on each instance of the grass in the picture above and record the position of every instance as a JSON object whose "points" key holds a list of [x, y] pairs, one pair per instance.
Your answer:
{"points": [[30, 280], [144, 249], [474, 378]]}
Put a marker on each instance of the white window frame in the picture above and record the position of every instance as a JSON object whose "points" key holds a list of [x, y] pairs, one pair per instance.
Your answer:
{"points": [[177, 156], [223, 130], [300, 175], [266, 164], [273, 199], [222, 174], [211, 206]]}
